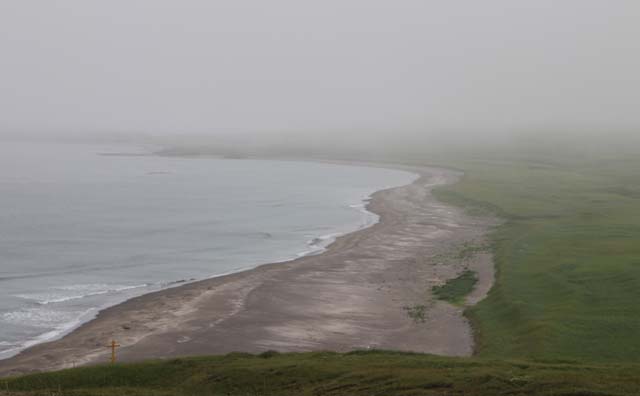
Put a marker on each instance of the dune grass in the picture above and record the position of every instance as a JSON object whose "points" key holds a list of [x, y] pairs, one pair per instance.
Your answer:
{"points": [[357, 373]]}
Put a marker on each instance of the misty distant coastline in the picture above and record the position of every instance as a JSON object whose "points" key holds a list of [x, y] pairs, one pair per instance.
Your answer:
{"points": [[124, 154]]}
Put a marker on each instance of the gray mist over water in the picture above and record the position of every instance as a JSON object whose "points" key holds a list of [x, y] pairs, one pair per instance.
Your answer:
{"points": [[304, 73]]}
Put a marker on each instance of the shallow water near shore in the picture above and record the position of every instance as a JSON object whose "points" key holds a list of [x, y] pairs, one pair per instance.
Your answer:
{"points": [[81, 230]]}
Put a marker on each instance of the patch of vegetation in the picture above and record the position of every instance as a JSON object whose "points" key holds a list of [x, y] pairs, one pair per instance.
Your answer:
{"points": [[456, 289], [361, 373], [417, 313]]}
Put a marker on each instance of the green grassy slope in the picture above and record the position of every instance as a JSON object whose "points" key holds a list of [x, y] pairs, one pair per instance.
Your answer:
{"points": [[568, 256], [362, 373]]}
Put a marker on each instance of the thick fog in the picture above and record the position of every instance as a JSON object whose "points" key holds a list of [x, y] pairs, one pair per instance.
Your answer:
{"points": [[307, 68]]}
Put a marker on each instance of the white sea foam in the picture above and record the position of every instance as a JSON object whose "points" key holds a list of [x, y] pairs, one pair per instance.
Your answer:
{"points": [[319, 244], [58, 323], [60, 294], [39, 317], [55, 322]]}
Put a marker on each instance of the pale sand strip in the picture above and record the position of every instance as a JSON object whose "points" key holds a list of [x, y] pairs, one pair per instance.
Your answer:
{"points": [[352, 296]]}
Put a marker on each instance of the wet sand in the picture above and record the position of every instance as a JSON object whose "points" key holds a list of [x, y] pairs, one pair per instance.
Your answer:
{"points": [[354, 295]]}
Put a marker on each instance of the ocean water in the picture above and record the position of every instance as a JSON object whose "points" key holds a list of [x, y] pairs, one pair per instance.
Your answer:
{"points": [[82, 229]]}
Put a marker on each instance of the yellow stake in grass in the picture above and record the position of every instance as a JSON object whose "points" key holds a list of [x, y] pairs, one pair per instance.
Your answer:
{"points": [[113, 347]]}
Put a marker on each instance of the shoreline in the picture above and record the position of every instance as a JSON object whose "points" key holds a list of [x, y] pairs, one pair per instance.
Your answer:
{"points": [[193, 318], [314, 246]]}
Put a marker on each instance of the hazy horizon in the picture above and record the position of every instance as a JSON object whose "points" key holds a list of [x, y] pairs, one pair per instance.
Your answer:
{"points": [[350, 69]]}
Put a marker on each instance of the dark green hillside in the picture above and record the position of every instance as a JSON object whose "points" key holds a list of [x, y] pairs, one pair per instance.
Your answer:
{"points": [[360, 373]]}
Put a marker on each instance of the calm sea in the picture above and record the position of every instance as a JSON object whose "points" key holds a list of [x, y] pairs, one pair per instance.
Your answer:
{"points": [[81, 230]]}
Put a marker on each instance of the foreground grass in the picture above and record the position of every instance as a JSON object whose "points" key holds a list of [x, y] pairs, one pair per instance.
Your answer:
{"points": [[357, 373], [568, 256]]}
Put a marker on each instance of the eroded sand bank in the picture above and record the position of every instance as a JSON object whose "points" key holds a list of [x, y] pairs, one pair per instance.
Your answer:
{"points": [[352, 296]]}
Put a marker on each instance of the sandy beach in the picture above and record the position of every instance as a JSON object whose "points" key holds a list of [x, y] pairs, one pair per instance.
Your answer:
{"points": [[354, 295]]}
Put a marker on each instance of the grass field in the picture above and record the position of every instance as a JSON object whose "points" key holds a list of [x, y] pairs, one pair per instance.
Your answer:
{"points": [[568, 256], [360, 373]]}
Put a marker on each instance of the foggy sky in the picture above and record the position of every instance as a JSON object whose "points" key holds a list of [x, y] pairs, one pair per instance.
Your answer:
{"points": [[208, 67]]}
